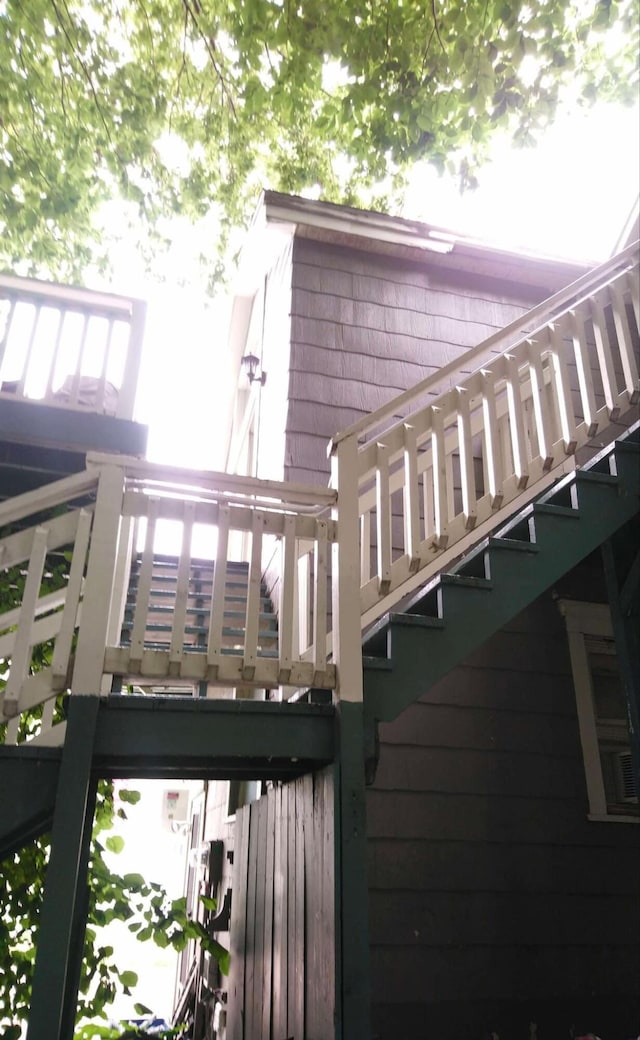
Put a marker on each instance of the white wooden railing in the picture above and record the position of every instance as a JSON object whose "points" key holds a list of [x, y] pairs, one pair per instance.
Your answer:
{"points": [[189, 619], [69, 347], [319, 565], [486, 432]]}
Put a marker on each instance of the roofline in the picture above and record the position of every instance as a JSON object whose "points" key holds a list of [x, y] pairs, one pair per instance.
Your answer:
{"points": [[310, 214]]}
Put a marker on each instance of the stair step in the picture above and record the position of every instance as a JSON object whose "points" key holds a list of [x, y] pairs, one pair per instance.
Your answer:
{"points": [[464, 581], [512, 545], [547, 509]]}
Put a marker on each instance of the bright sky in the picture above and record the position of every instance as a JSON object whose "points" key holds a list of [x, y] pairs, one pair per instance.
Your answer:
{"points": [[571, 197]]}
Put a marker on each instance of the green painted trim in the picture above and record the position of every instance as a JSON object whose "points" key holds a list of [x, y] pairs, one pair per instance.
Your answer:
{"points": [[62, 919], [352, 888], [192, 737]]}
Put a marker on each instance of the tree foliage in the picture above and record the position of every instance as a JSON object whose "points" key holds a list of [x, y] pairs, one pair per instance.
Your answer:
{"points": [[190, 106]]}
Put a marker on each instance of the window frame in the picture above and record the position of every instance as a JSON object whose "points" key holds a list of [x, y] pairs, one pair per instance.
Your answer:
{"points": [[585, 620]]}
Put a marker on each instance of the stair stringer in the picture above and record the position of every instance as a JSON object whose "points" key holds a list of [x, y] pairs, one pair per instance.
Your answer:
{"points": [[460, 610]]}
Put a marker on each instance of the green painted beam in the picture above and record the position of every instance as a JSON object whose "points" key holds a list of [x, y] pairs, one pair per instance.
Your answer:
{"points": [[501, 577], [28, 781], [144, 736]]}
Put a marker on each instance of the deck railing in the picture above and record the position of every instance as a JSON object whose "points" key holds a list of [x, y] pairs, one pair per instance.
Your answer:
{"points": [[125, 611], [69, 347], [93, 580]]}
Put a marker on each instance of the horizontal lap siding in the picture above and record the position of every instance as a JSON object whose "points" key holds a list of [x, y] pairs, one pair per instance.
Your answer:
{"points": [[491, 894], [365, 327]]}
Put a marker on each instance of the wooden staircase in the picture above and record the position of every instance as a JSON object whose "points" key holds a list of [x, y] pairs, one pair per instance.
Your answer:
{"points": [[410, 649]]}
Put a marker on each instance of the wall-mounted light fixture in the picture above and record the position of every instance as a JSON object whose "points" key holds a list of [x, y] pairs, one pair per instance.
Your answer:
{"points": [[251, 364]]}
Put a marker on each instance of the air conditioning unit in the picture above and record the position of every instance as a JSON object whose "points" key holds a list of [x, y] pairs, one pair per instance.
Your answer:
{"points": [[175, 808]]}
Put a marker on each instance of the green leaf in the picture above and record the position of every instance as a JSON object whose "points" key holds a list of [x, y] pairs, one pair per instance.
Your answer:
{"points": [[115, 843], [142, 1009], [128, 978]]}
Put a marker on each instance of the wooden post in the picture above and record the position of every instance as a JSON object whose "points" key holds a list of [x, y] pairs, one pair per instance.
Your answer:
{"points": [[103, 556], [352, 925]]}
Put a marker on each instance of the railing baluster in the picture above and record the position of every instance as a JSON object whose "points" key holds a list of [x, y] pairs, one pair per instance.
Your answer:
{"points": [[516, 423], [539, 400], [303, 595], [62, 649], [102, 381], [365, 546], [253, 597], [633, 286], [493, 460], [605, 359], [411, 501], [54, 357], [7, 331], [383, 517], [467, 473], [287, 591], [22, 648], [24, 375], [176, 652], [625, 343], [440, 504], [562, 389], [218, 594], [320, 600], [75, 382], [585, 376], [143, 593]]}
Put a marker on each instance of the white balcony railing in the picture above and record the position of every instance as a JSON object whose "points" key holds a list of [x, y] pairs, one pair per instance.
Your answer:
{"points": [[69, 347], [120, 608]]}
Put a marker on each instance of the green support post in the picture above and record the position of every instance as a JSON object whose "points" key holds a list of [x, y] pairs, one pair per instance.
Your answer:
{"points": [[63, 917], [352, 895]]}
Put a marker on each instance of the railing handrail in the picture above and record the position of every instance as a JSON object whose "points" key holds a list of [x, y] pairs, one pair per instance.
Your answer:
{"points": [[548, 308], [47, 497], [284, 493], [72, 296]]}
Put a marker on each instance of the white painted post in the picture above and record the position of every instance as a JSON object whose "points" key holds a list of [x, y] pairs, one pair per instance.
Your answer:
{"points": [[605, 358], [585, 376], [440, 501], [218, 594], [467, 475], [22, 648], [103, 555], [383, 518], [516, 422], [320, 600], [287, 593], [411, 500], [625, 344], [491, 441], [62, 649], [540, 408], [127, 395], [347, 647], [563, 389]]}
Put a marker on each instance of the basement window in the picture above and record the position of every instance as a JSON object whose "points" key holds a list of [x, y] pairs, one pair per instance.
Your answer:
{"points": [[602, 712]]}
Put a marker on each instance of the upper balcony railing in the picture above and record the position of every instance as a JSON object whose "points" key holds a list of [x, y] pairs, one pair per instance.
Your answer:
{"points": [[69, 347]]}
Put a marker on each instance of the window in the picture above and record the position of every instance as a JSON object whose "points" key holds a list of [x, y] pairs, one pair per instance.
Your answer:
{"points": [[602, 712]]}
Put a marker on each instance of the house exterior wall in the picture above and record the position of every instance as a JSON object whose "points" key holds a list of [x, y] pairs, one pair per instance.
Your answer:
{"points": [[365, 327], [494, 901]]}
